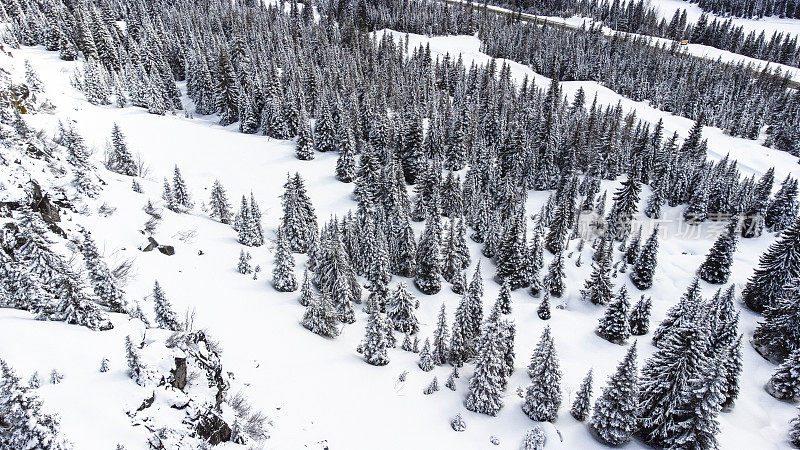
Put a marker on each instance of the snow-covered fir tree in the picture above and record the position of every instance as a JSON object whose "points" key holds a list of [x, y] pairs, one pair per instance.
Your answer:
{"points": [[614, 416], [283, 278], [583, 400], [543, 396]]}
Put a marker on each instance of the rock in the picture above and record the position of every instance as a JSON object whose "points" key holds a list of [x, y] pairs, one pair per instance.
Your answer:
{"points": [[148, 402], [212, 428], [200, 253], [41, 202], [151, 244], [179, 373], [166, 249]]}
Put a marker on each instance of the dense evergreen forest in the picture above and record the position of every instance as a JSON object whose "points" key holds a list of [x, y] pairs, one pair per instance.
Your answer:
{"points": [[638, 16], [396, 116]]}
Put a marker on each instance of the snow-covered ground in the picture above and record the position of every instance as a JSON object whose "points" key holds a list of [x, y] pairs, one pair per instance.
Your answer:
{"points": [[318, 391]]}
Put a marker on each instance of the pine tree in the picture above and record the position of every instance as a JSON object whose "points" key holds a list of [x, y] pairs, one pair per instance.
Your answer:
{"points": [[135, 366], [425, 359], [180, 192], [427, 274], [504, 299], [643, 270], [534, 439], [460, 340], [485, 386], [776, 267], [168, 197], [103, 365], [785, 381], [613, 325], [639, 319], [283, 278], [543, 311], [684, 312], [440, 338], [25, 425], [346, 163], [321, 317], [165, 316], [717, 267], [120, 159], [304, 149], [543, 397], [226, 89], [782, 210], [583, 400], [614, 413], [220, 208], [105, 286], [555, 276], [400, 310], [433, 387], [698, 425], [306, 291], [794, 433], [375, 341], [666, 381], [598, 288], [753, 222]]}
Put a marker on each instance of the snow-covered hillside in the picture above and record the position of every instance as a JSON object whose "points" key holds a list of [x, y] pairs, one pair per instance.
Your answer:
{"points": [[318, 392]]}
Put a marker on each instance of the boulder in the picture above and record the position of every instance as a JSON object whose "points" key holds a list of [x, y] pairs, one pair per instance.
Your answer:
{"points": [[179, 373], [151, 244], [166, 249]]}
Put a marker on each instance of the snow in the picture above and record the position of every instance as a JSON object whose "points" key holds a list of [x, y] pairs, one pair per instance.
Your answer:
{"points": [[318, 391]]}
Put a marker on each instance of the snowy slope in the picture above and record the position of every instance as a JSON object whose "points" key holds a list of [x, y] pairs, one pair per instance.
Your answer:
{"points": [[318, 390]]}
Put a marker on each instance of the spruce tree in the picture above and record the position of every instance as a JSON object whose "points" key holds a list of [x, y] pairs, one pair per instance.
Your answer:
{"points": [[504, 299], [400, 310], [165, 316], [680, 314], [543, 396], [753, 222], [425, 359], [598, 288], [459, 341], [485, 386], [427, 274], [543, 311], [24, 424], [666, 381], [306, 291], [105, 285], [120, 159], [180, 192], [304, 149], [220, 208], [639, 319], [375, 341], [243, 266], [776, 267], [614, 418], [321, 317], [613, 325], [135, 366], [283, 278], [583, 400], [554, 281], [717, 267], [782, 210], [784, 384], [643, 270], [440, 338]]}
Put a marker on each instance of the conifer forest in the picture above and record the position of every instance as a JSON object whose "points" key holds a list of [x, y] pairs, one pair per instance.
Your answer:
{"points": [[399, 224]]}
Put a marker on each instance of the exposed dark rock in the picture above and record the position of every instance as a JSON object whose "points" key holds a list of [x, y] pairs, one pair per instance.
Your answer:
{"points": [[148, 402], [179, 373], [212, 428], [166, 249], [151, 244]]}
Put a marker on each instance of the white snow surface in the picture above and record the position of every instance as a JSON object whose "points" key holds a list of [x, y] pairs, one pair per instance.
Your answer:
{"points": [[317, 391]]}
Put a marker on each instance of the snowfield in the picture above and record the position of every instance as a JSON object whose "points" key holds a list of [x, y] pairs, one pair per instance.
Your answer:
{"points": [[318, 392]]}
